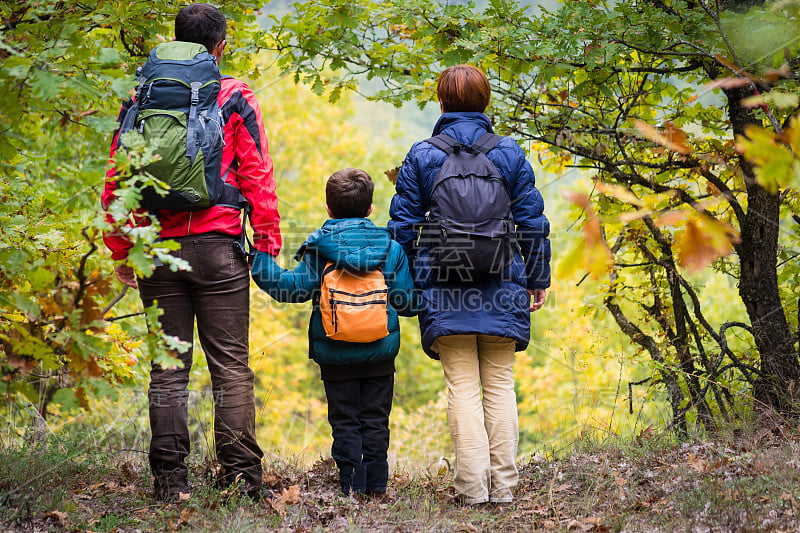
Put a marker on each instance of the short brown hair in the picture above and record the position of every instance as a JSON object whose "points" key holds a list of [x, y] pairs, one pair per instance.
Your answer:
{"points": [[202, 24], [463, 88], [348, 193]]}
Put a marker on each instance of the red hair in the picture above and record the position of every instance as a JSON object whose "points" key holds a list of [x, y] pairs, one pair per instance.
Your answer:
{"points": [[463, 88]]}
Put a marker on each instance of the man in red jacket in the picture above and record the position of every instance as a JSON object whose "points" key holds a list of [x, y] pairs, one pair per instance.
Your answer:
{"points": [[215, 291]]}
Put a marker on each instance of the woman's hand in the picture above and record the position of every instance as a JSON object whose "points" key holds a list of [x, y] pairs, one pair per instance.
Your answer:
{"points": [[537, 298]]}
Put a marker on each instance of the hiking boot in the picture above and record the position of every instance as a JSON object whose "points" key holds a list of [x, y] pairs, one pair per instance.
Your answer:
{"points": [[172, 496], [171, 492], [462, 501], [378, 496], [259, 494]]}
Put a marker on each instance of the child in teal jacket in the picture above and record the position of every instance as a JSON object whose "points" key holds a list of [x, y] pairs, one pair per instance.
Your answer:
{"points": [[358, 377]]}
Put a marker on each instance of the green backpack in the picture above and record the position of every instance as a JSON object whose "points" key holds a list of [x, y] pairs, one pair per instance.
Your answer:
{"points": [[176, 111]]}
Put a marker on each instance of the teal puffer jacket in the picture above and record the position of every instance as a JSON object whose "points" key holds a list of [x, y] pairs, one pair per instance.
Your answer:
{"points": [[355, 244]]}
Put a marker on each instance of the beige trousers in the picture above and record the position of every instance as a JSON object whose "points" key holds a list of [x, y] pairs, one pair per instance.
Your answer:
{"points": [[484, 431]]}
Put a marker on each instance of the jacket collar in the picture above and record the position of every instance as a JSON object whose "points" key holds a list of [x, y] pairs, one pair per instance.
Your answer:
{"points": [[462, 120], [356, 243]]}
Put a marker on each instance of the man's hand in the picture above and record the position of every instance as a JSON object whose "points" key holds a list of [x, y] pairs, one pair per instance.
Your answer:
{"points": [[126, 275], [537, 298]]}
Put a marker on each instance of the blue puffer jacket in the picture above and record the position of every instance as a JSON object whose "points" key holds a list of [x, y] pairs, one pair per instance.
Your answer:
{"points": [[357, 245], [490, 307]]}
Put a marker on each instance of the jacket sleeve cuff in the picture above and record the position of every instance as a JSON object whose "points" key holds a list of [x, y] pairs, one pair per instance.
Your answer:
{"points": [[267, 246], [539, 285], [265, 272], [538, 264]]}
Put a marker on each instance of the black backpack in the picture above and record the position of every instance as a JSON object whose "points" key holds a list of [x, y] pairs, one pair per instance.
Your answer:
{"points": [[176, 110], [469, 229]]}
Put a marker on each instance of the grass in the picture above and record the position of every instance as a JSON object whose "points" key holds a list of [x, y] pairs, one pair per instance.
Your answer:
{"points": [[743, 480]]}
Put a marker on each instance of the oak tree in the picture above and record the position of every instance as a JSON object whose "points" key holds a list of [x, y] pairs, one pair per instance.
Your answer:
{"points": [[650, 98]]}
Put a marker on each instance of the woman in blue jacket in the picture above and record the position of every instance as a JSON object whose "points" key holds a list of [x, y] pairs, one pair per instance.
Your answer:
{"points": [[475, 328]]}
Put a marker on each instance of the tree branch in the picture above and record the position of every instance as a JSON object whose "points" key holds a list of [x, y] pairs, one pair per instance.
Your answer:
{"points": [[80, 271], [647, 342], [128, 47], [717, 182], [115, 301]]}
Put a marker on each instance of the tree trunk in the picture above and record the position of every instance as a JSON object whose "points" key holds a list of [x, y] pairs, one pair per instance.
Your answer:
{"points": [[758, 284], [758, 288]]}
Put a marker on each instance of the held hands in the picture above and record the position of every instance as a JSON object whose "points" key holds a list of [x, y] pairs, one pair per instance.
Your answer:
{"points": [[126, 275], [537, 298]]}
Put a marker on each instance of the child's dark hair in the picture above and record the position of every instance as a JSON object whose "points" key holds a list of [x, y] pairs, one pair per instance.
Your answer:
{"points": [[202, 24], [348, 193]]}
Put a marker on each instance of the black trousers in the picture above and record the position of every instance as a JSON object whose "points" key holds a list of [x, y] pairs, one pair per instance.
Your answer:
{"points": [[216, 292], [358, 411]]}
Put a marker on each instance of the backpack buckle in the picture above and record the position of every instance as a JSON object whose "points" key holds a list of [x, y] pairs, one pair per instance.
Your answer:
{"points": [[195, 92]]}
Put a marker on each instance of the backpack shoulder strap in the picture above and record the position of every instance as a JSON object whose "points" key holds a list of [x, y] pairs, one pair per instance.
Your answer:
{"points": [[486, 142], [443, 142], [330, 266]]}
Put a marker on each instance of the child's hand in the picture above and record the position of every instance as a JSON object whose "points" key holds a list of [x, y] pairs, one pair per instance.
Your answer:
{"points": [[260, 263]]}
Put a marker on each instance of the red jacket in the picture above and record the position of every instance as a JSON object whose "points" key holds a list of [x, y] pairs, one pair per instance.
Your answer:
{"points": [[247, 150]]}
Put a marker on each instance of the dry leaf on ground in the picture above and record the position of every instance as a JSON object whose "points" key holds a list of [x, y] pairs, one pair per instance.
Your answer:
{"points": [[59, 516], [698, 464]]}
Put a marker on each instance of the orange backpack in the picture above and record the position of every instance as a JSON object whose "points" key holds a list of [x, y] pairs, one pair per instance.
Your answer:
{"points": [[354, 305]]}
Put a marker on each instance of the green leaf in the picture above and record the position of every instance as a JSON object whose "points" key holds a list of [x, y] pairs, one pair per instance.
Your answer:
{"points": [[45, 84], [26, 305], [108, 58], [40, 278], [66, 398]]}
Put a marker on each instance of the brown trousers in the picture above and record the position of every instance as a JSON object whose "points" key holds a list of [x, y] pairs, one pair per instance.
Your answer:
{"points": [[483, 427], [216, 292]]}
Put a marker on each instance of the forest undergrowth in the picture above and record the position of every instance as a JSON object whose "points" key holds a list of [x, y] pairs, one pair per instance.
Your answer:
{"points": [[737, 480]]}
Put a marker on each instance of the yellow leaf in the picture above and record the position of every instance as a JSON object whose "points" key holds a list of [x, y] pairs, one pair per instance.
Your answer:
{"points": [[753, 101], [773, 75], [791, 135], [672, 137], [570, 261], [703, 241], [579, 199], [670, 218], [392, 174], [620, 193], [597, 259], [728, 83], [634, 215]]}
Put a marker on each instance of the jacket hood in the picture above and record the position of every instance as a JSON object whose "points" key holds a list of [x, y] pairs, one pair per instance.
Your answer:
{"points": [[463, 126], [352, 243]]}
